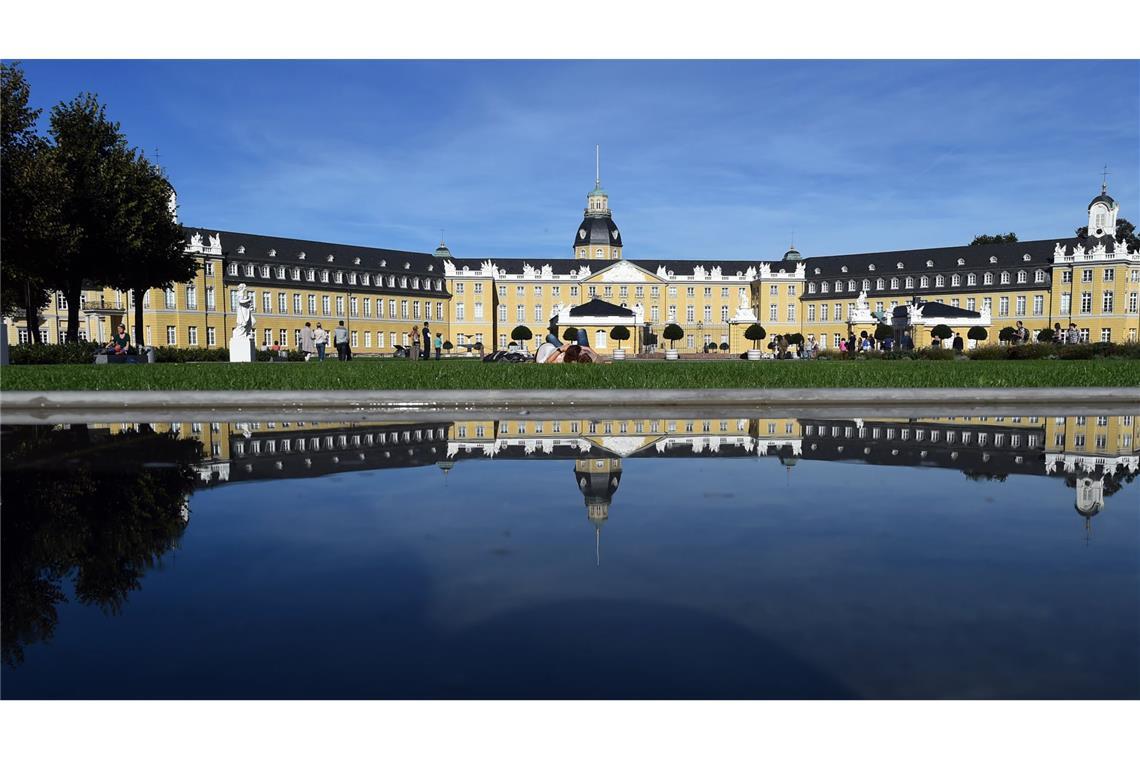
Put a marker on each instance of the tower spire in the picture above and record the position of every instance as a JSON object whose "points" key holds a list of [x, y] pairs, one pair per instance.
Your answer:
{"points": [[597, 166], [1104, 180]]}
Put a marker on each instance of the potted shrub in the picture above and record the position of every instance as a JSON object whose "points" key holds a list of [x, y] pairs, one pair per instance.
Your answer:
{"points": [[942, 332], [619, 333], [755, 333], [672, 333], [521, 335], [448, 346], [1007, 334], [724, 346], [1043, 336], [479, 347], [978, 334]]}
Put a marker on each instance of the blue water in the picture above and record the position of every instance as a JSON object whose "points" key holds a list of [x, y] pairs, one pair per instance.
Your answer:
{"points": [[728, 576]]}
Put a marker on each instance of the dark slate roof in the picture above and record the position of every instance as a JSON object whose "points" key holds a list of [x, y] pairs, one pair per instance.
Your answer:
{"points": [[257, 249], [935, 309], [1103, 198], [561, 266], [597, 230], [944, 260], [728, 267], [596, 307]]}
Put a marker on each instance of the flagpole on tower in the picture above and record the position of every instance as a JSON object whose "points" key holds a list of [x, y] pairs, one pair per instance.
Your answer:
{"points": [[597, 166]]}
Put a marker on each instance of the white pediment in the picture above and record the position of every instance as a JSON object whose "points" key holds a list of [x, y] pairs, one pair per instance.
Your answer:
{"points": [[623, 271]]}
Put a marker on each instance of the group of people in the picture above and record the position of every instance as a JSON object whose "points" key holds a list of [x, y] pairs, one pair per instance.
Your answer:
{"points": [[1071, 335], [315, 342], [421, 343]]}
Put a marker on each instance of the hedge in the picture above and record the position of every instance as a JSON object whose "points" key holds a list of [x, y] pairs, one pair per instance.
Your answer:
{"points": [[83, 352]]}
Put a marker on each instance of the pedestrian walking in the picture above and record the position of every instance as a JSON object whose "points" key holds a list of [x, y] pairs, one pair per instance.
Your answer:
{"points": [[340, 341], [438, 345], [425, 344], [414, 344], [959, 344], [308, 346], [1073, 335], [321, 340]]}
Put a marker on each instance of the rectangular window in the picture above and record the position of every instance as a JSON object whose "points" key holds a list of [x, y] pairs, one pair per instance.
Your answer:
{"points": [[325, 306], [459, 311], [1086, 275], [1038, 305], [478, 310], [267, 336], [340, 306], [403, 309], [811, 312], [367, 307], [415, 309], [192, 335], [459, 288], [191, 297], [772, 312], [1066, 302], [478, 288], [1003, 306], [211, 336], [171, 335], [1020, 308], [312, 304], [1109, 275], [267, 302], [1086, 303], [283, 337], [1107, 302], [354, 339], [1106, 335], [282, 303], [520, 313], [502, 312], [367, 339], [538, 312], [1067, 275]]}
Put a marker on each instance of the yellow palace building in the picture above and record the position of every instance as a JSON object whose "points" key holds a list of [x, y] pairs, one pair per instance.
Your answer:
{"points": [[381, 293]]}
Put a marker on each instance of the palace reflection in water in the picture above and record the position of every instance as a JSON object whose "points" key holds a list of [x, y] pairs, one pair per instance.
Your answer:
{"points": [[100, 506]]}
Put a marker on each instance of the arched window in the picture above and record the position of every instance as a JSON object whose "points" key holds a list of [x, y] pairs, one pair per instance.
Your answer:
{"points": [[924, 282], [894, 283], [939, 281], [879, 283], [1005, 278], [971, 279], [1022, 276], [909, 282], [988, 278], [851, 285], [955, 280], [839, 286], [866, 284], [823, 287]]}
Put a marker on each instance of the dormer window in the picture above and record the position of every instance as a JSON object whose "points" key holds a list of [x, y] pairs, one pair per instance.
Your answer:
{"points": [[924, 282], [879, 283], [356, 261], [403, 282], [894, 283], [816, 271], [939, 281], [1039, 276], [264, 270], [330, 257], [1022, 276], [866, 284], [301, 255], [851, 285], [988, 278], [838, 286], [431, 267], [961, 262], [391, 280], [955, 280], [811, 287], [909, 283], [338, 278], [1005, 278], [281, 272], [364, 279], [899, 265], [296, 273], [407, 265], [249, 270], [870, 267], [929, 264], [1025, 257], [993, 259], [311, 275], [823, 288], [272, 253], [232, 268], [971, 279], [352, 278], [843, 269], [324, 275], [384, 263]]}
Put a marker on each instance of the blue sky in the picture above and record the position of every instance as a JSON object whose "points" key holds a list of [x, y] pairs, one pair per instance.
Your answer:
{"points": [[701, 159]]}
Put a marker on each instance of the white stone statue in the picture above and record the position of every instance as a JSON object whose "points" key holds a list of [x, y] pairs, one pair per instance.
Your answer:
{"points": [[714, 273], [750, 273], [744, 304], [698, 272], [547, 272], [216, 241], [913, 313], [488, 269], [245, 318], [861, 302], [765, 270], [662, 272], [196, 240]]}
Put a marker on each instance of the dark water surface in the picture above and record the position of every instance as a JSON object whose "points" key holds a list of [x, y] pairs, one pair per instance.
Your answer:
{"points": [[655, 558]]}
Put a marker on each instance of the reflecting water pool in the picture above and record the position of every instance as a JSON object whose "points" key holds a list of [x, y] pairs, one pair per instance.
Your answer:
{"points": [[942, 557]]}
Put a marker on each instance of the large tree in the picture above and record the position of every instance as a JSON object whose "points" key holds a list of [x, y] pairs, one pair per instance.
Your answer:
{"points": [[29, 206], [1125, 231], [92, 155], [150, 243]]}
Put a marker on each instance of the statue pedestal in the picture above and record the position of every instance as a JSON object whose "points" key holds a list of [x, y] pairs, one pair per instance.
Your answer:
{"points": [[241, 349]]}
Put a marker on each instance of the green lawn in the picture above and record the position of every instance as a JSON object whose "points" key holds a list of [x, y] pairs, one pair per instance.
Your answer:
{"points": [[399, 375]]}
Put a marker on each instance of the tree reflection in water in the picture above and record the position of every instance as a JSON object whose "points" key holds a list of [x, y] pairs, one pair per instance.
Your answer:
{"points": [[97, 508]]}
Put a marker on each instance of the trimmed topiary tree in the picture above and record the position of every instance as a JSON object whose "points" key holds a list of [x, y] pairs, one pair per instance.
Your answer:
{"points": [[1007, 334], [724, 346], [672, 333], [796, 339], [1046, 335], [977, 333], [755, 333], [521, 333], [620, 333], [942, 332], [447, 345], [882, 332]]}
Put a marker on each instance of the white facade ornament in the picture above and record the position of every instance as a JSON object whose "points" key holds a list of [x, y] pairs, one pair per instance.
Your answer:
{"points": [[765, 270], [583, 271], [914, 313], [242, 339], [528, 271], [1078, 250], [196, 240], [639, 312], [448, 268], [1099, 249], [862, 310], [1120, 248], [558, 308], [216, 241], [547, 272], [985, 314], [714, 273], [750, 273], [663, 273], [1059, 250], [488, 269], [801, 268], [698, 272]]}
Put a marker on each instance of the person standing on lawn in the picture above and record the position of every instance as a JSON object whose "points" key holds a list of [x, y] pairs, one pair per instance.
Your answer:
{"points": [[414, 344], [308, 347], [1021, 333], [340, 340], [425, 344], [438, 345], [959, 344], [321, 339]]}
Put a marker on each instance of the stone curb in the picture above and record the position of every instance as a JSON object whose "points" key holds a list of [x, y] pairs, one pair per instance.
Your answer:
{"points": [[55, 401]]}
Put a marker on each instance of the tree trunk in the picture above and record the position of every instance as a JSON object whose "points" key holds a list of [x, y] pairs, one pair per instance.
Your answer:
{"points": [[31, 316], [137, 297], [72, 294]]}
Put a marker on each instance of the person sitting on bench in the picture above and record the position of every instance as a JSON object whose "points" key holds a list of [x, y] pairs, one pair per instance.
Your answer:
{"points": [[120, 344]]}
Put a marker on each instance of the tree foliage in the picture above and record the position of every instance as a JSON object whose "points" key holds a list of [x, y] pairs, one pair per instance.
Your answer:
{"points": [[1008, 237], [882, 332], [673, 332], [522, 332], [1046, 335], [977, 332], [1007, 334]]}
